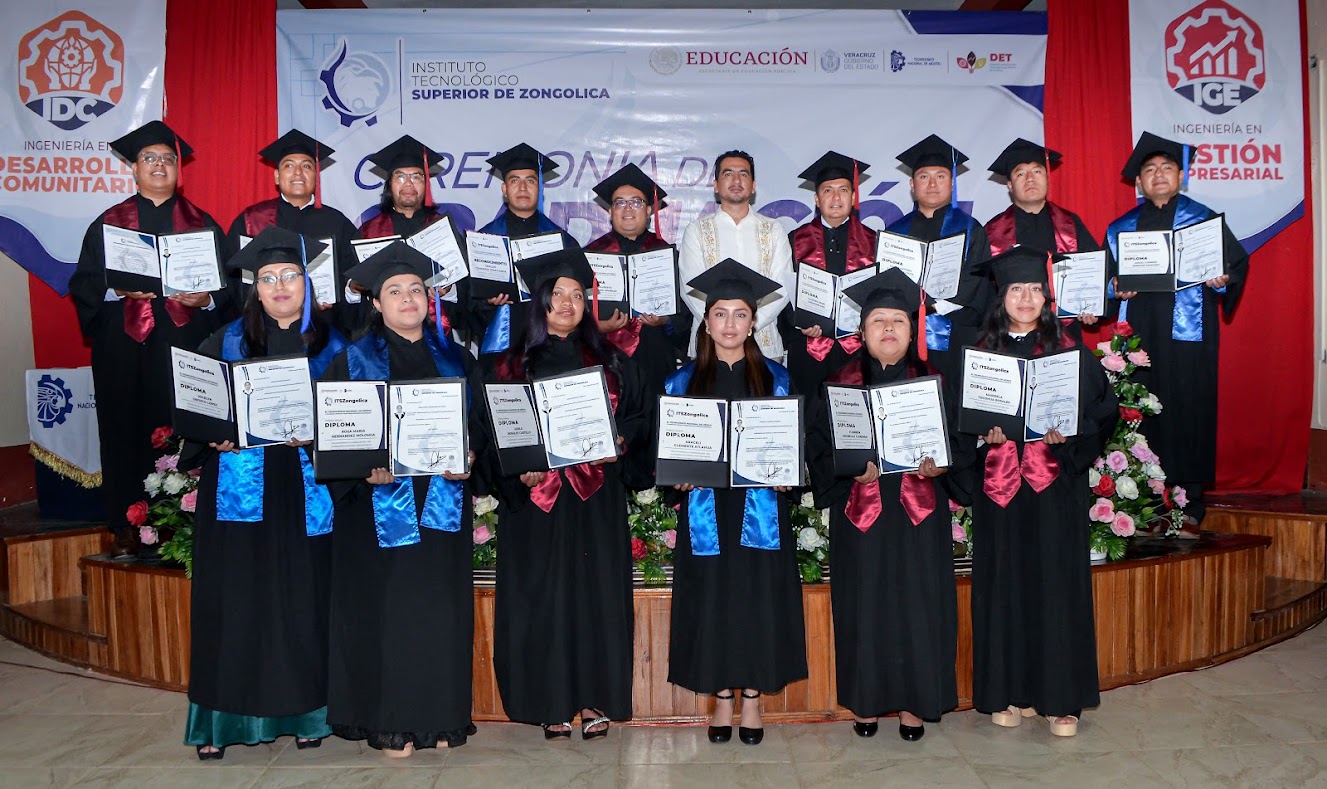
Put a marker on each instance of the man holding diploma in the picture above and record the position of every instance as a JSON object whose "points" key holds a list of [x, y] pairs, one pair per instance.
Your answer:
{"points": [[131, 332], [1181, 331]]}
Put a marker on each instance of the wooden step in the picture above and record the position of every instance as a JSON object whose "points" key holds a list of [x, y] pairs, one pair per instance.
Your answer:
{"points": [[44, 565], [57, 627], [1283, 593]]}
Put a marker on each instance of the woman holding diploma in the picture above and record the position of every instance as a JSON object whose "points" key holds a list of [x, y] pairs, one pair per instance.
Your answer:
{"points": [[562, 641], [737, 598], [1033, 638], [258, 659], [895, 607], [402, 616]]}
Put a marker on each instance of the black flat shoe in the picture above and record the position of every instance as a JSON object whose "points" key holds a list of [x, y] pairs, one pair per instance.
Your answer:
{"points": [[864, 729], [217, 755], [302, 744], [551, 733], [911, 733], [720, 734], [750, 736]]}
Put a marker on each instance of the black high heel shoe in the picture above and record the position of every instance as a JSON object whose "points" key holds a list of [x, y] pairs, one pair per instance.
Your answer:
{"points": [[750, 736], [551, 733], [865, 728], [205, 756], [303, 744], [721, 734]]}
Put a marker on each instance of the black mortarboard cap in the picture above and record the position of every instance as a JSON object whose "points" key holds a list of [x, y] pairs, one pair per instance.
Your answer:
{"points": [[397, 257], [1150, 145], [731, 280], [406, 151], [522, 157], [631, 175], [932, 152], [833, 166], [1021, 264], [296, 141], [1023, 151], [567, 262], [150, 133], [275, 245], [890, 289]]}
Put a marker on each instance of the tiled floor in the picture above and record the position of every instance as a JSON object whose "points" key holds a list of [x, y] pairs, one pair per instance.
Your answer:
{"points": [[1259, 721]]}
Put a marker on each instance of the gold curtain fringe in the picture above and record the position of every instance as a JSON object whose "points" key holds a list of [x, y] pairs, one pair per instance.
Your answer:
{"points": [[64, 468]]}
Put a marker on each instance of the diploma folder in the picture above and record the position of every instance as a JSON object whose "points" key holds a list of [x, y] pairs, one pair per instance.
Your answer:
{"points": [[347, 464], [396, 414], [852, 462], [204, 428], [701, 473], [1169, 281], [524, 457], [152, 283], [976, 421]]}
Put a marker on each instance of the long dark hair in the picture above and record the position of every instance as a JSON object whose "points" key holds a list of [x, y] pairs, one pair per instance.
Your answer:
{"points": [[759, 381], [995, 327], [254, 319], [538, 341]]}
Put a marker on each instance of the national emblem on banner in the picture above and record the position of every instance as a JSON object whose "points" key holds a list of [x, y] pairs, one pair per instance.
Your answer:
{"points": [[1214, 56], [70, 70]]}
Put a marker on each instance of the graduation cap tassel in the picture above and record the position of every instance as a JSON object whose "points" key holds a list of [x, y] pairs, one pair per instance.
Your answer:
{"points": [[317, 176], [307, 319], [953, 177], [921, 326], [428, 182], [1050, 278], [856, 201], [1184, 165], [657, 228], [539, 187], [594, 298], [437, 310], [179, 164]]}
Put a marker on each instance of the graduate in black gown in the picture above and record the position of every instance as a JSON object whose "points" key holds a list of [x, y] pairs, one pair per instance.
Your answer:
{"points": [[562, 641], [1033, 638], [258, 657], [402, 613], [131, 331], [895, 604], [737, 596], [1180, 331]]}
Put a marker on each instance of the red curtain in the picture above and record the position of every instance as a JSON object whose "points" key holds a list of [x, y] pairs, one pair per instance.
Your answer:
{"points": [[1266, 375]]}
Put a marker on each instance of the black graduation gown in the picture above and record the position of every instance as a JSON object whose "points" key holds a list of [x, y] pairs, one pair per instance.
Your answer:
{"points": [[1183, 375], [563, 625], [892, 588], [132, 379], [808, 372], [1033, 633], [975, 291], [1037, 231], [402, 619], [737, 617], [482, 311], [260, 590]]}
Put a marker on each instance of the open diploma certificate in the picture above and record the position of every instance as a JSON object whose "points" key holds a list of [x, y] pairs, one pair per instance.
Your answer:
{"points": [[182, 262], [765, 442], [575, 417], [202, 407], [366, 248], [653, 278], [273, 401], [511, 415], [693, 428], [529, 247], [438, 243], [935, 265], [1166, 260], [351, 416], [909, 425], [1080, 284], [820, 301], [429, 433], [1005, 391]]}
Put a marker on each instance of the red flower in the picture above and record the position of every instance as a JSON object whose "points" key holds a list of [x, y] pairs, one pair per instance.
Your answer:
{"points": [[1131, 414], [1165, 498], [1106, 487], [1123, 329], [137, 513], [638, 549], [160, 436]]}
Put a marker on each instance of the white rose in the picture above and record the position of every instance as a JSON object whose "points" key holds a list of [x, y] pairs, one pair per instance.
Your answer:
{"points": [[808, 500], [1126, 487], [1093, 477], [647, 496], [174, 483], [824, 517], [1154, 471], [808, 539], [485, 505], [152, 483], [1153, 402]]}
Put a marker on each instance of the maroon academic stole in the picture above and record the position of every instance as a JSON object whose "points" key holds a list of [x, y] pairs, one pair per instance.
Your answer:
{"points": [[626, 338], [138, 318], [585, 478], [1000, 230], [258, 217], [808, 244], [916, 493]]}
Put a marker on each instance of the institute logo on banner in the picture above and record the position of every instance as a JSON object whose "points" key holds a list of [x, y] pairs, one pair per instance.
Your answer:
{"points": [[70, 70], [897, 61], [971, 64], [1214, 56], [54, 401], [357, 85]]}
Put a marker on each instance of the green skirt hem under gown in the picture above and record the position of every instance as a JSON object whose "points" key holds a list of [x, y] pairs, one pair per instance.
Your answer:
{"points": [[218, 729]]}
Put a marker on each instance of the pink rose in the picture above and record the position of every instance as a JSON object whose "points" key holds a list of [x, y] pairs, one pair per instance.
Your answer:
{"points": [[1157, 486], [147, 535], [189, 501], [1103, 511], [954, 506], [958, 534], [670, 538], [1140, 358], [1099, 463], [1143, 452], [1180, 496], [1113, 362], [482, 535], [195, 472], [1117, 461], [1122, 526], [167, 463], [1104, 347]]}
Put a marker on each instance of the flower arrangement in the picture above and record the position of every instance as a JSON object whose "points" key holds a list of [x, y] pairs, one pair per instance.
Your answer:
{"points": [[1128, 481], [810, 527], [485, 534], [653, 527], [960, 519], [166, 517]]}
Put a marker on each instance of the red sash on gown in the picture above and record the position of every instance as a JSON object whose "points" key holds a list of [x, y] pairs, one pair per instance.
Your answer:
{"points": [[808, 243], [138, 318]]}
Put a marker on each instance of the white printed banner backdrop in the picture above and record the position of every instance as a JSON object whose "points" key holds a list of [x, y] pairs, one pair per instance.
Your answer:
{"points": [[76, 75], [1225, 77], [667, 90], [62, 419]]}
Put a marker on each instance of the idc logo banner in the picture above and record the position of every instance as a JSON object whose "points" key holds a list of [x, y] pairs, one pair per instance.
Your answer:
{"points": [[1225, 77]]}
